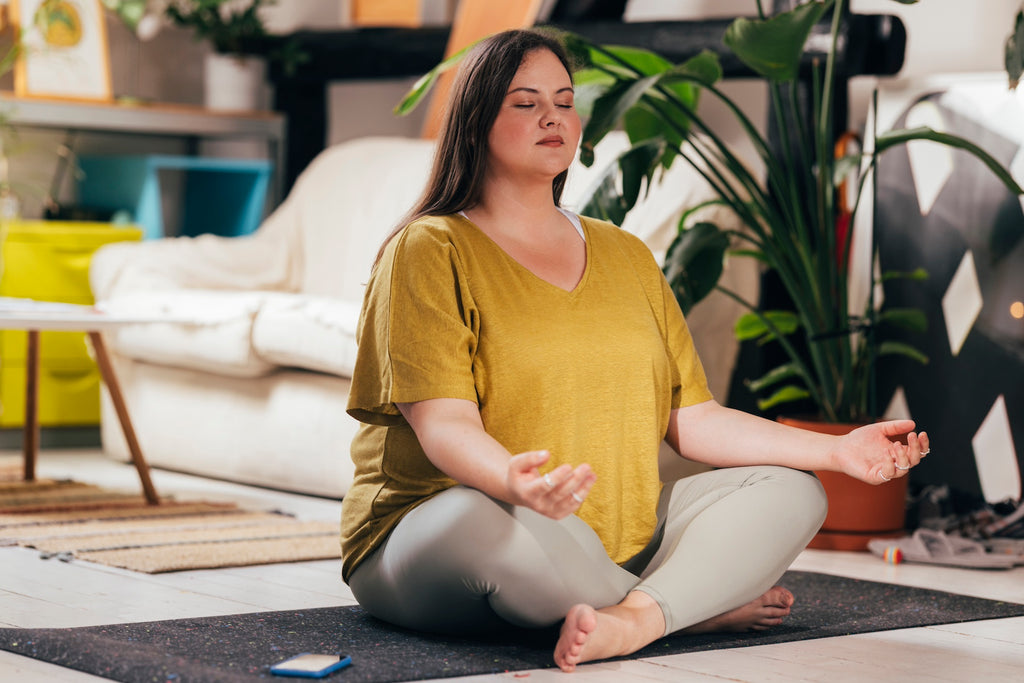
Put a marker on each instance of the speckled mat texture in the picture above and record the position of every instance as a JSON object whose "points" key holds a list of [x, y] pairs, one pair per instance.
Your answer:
{"points": [[242, 647]]}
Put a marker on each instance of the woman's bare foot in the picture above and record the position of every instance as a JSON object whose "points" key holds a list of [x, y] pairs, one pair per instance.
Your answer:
{"points": [[757, 615], [588, 634]]}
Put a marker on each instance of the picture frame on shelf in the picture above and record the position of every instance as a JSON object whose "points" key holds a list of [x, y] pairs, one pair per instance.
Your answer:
{"points": [[66, 54]]}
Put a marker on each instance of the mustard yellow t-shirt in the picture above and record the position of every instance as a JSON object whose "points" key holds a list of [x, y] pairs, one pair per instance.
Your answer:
{"points": [[589, 375]]}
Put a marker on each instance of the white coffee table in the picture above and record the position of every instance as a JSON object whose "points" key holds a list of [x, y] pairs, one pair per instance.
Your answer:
{"points": [[36, 317]]}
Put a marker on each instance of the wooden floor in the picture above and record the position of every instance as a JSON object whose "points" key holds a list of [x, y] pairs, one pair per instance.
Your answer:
{"points": [[49, 593]]}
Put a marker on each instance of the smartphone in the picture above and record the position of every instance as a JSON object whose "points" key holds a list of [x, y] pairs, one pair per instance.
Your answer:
{"points": [[308, 665]]}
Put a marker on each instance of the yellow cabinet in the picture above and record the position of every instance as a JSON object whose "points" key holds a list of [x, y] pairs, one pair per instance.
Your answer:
{"points": [[49, 261]]}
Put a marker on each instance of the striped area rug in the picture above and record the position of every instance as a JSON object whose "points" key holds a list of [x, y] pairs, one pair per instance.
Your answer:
{"points": [[76, 521]]}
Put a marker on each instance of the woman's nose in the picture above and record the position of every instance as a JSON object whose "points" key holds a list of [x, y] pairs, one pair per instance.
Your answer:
{"points": [[550, 117]]}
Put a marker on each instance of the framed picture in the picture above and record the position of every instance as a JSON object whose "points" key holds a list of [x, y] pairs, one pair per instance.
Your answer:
{"points": [[65, 49]]}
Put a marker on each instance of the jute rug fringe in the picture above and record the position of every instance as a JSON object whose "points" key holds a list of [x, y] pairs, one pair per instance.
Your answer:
{"points": [[80, 521]]}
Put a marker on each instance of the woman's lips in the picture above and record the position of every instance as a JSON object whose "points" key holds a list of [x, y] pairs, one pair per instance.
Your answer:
{"points": [[552, 141]]}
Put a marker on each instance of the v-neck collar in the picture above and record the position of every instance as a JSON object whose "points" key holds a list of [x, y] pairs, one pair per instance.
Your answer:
{"points": [[585, 233]]}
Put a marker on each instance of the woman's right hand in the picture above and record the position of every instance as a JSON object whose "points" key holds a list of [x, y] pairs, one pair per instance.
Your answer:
{"points": [[557, 494]]}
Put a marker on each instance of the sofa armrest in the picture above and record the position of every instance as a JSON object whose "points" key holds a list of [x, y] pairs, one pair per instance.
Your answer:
{"points": [[208, 330], [269, 259]]}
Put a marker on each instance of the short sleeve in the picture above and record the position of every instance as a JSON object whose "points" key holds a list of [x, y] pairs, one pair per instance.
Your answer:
{"points": [[418, 328], [689, 383]]}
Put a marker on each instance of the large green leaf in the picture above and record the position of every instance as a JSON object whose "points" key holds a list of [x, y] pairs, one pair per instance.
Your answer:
{"points": [[694, 262], [786, 394], [636, 166], [894, 348], [640, 61], [425, 82], [590, 85], [605, 200], [773, 47], [774, 376], [917, 274], [1014, 52], [902, 136], [912, 319], [704, 68], [751, 325], [609, 109], [1006, 236]]}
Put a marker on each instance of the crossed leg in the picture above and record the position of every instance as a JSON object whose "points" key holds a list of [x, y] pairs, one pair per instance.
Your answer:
{"points": [[461, 562], [722, 521]]}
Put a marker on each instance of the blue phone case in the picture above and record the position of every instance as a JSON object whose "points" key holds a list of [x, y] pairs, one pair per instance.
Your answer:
{"points": [[295, 667]]}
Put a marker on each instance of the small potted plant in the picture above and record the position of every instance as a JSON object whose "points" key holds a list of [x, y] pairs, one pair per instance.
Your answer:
{"points": [[234, 79]]}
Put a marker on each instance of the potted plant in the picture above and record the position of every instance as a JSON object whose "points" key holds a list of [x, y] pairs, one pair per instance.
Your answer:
{"points": [[234, 78], [791, 214]]}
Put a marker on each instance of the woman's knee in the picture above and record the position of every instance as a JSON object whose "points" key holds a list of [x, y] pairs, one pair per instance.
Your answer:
{"points": [[799, 491]]}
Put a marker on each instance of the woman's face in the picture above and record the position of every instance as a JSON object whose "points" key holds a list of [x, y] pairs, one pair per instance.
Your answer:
{"points": [[537, 128]]}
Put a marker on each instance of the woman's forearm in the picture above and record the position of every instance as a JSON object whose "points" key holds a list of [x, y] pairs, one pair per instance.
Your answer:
{"points": [[454, 439], [722, 437], [712, 434]]}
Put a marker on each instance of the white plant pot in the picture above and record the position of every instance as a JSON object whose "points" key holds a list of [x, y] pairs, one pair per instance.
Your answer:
{"points": [[235, 83]]}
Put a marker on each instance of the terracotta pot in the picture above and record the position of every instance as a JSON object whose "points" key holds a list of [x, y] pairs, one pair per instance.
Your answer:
{"points": [[857, 512]]}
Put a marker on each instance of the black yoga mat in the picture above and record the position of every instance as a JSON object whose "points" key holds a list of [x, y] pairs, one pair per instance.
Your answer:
{"points": [[242, 647]]}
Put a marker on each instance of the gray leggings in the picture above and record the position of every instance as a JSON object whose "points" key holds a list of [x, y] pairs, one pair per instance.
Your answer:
{"points": [[464, 562]]}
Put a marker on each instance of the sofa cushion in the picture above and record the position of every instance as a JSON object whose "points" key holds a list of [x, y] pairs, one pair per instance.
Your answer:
{"points": [[313, 333], [348, 200], [206, 330]]}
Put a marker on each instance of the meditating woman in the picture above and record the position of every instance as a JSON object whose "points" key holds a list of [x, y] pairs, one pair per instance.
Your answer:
{"points": [[518, 367]]}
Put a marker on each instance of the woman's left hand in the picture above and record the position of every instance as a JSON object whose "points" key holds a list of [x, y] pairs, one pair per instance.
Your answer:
{"points": [[873, 455]]}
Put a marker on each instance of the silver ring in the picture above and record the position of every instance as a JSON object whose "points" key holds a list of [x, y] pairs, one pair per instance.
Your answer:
{"points": [[902, 468], [884, 478], [924, 453], [547, 480], [575, 497]]}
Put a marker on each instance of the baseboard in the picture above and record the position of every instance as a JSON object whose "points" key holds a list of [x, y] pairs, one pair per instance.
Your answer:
{"points": [[53, 437]]}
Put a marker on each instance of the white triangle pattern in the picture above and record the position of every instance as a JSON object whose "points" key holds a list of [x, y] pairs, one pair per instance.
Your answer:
{"points": [[931, 164], [995, 456], [898, 408], [961, 303]]}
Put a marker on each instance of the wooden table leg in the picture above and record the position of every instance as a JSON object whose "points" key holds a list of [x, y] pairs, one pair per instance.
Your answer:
{"points": [[31, 439], [110, 379]]}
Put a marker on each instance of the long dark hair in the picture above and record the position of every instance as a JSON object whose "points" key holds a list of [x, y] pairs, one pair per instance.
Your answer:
{"points": [[480, 86]]}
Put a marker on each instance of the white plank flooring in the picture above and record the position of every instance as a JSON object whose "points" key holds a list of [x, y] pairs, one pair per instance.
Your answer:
{"points": [[50, 593]]}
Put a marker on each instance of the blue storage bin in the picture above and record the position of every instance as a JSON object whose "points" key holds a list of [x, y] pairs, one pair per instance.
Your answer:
{"points": [[220, 196]]}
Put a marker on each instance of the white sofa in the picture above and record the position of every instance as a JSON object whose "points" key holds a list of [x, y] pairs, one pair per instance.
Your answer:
{"points": [[249, 379]]}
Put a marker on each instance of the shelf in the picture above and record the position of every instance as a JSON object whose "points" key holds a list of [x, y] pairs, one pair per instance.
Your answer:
{"points": [[154, 119]]}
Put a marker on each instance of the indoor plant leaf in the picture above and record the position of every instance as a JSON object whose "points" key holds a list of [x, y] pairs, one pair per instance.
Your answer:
{"points": [[776, 375], [610, 108], [912, 319], [916, 274], [773, 47], [1014, 53], [786, 394], [895, 348], [604, 200], [694, 262], [754, 326], [425, 82], [641, 62], [892, 138]]}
